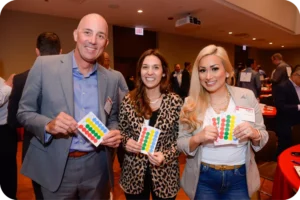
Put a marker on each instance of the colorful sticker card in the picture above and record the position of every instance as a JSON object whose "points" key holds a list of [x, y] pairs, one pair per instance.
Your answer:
{"points": [[92, 128], [148, 139], [225, 124]]}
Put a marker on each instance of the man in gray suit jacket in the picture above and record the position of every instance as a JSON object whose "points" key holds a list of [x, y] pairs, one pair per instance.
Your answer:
{"points": [[60, 90]]}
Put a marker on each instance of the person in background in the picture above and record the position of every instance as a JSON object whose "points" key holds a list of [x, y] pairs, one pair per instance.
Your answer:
{"points": [[238, 70], [281, 73], [227, 171], [186, 77], [104, 60], [287, 102], [8, 143], [176, 80], [261, 72], [48, 43], [60, 91], [151, 104], [249, 78], [130, 82]]}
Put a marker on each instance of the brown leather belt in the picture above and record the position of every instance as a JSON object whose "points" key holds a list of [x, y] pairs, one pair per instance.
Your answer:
{"points": [[221, 167], [76, 154]]}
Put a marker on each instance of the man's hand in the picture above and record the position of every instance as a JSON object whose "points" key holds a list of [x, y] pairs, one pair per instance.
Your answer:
{"points": [[112, 139], [62, 124], [10, 79]]}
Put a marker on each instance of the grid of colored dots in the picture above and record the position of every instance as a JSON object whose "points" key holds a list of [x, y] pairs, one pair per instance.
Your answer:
{"points": [[93, 129], [148, 139], [226, 128]]}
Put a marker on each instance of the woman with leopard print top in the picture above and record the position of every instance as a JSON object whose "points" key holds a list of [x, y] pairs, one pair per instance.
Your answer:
{"points": [[151, 104]]}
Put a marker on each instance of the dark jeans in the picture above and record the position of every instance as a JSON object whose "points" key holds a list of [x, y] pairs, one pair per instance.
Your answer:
{"points": [[222, 185], [148, 188]]}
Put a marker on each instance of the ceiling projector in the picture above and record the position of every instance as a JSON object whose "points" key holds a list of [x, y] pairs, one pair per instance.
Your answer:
{"points": [[188, 21]]}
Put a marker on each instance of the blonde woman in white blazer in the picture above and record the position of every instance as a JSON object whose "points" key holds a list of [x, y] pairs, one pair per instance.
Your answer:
{"points": [[226, 171]]}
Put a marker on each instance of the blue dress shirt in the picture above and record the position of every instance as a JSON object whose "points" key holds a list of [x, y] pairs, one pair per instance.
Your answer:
{"points": [[85, 101]]}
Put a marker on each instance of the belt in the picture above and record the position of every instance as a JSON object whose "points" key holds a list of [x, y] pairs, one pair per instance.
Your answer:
{"points": [[221, 167], [76, 154]]}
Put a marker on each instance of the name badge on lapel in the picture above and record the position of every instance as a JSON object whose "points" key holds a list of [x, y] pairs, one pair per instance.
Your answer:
{"points": [[108, 105], [246, 114]]}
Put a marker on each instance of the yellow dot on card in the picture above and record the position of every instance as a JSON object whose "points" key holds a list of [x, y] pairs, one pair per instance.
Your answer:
{"points": [[101, 133]]}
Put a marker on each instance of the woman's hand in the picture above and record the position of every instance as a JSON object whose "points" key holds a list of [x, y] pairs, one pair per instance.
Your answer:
{"points": [[245, 131], [157, 158], [208, 134], [133, 146]]}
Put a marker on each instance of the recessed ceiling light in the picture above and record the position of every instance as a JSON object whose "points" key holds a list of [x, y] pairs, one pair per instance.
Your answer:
{"points": [[254, 38], [282, 46], [229, 33], [271, 43], [140, 11]]}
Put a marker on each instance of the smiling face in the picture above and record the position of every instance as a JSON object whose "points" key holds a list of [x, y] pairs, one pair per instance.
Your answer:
{"points": [[91, 38], [151, 72], [212, 73]]}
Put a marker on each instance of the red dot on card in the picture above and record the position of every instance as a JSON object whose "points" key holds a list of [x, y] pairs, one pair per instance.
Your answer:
{"points": [[214, 119], [221, 137], [223, 120], [80, 126], [144, 129]]}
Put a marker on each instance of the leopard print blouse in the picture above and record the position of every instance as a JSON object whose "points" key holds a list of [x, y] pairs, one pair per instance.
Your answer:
{"points": [[165, 178]]}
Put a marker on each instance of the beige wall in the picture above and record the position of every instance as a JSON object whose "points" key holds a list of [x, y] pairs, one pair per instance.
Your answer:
{"points": [[18, 35], [178, 49], [279, 9]]}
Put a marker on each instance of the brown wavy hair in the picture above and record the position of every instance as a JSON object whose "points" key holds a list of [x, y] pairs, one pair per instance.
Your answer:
{"points": [[138, 96]]}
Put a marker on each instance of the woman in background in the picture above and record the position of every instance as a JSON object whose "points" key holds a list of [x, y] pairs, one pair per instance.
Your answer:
{"points": [[152, 104], [225, 171]]}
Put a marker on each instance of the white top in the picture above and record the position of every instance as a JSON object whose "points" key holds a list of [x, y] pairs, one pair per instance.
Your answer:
{"points": [[5, 91], [230, 154]]}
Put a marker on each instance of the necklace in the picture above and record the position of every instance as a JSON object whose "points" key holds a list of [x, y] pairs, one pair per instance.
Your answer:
{"points": [[221, 102], [217, 107], [156, 100]]}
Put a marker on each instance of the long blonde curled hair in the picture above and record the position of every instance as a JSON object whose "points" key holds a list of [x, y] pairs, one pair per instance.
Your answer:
{"points": [[196, 103]]}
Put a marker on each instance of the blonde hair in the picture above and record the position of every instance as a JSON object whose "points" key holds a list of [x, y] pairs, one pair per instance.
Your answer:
{"points": [[197, 102]]}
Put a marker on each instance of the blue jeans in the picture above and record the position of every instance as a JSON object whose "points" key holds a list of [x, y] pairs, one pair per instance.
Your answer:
{"points": [[222, 185]]}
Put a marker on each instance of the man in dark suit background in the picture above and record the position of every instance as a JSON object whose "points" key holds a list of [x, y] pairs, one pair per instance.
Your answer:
{"points": [[180, 80], [48, 43], [287, 102]]}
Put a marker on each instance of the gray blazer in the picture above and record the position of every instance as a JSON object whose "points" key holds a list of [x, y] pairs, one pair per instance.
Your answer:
{"points": [[191, 174], [49, 91]]}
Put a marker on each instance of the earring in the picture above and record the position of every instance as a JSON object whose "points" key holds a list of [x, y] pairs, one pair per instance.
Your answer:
{"points": [[163, 75]]}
